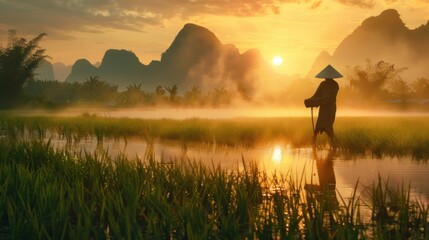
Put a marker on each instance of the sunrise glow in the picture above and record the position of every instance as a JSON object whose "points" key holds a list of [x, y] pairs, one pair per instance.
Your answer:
{"points": [[205, 111], [301, 29], [277, 60]]}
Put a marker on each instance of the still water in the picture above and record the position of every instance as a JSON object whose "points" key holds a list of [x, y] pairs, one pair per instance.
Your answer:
{"points": [[209, 113], [315, 166]]}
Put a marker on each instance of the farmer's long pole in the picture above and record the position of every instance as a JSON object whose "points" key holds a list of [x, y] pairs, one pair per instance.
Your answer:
{"points": [[312, 121]]}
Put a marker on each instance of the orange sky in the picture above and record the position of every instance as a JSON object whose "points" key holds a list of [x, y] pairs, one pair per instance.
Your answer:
{"points": [[297, 30]]}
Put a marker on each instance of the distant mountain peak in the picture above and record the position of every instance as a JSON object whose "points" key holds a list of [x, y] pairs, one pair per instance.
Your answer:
{"points": [[45, 71], [193, 27], [192, 30], [119, 57], [191, 42], [383, 37], [196, 57], [388, 20], [195, 33], [390, 13], [82, 63], [321, 61], [81, 68], [324, 55]]}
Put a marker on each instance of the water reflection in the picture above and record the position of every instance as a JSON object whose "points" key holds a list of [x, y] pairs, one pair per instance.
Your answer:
{"points": [[322, 167], [325, 191], [277, 155], [325, 170]]}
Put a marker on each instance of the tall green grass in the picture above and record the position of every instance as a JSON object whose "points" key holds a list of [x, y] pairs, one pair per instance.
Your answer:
{"points": [[56, 194], [379, 136]]}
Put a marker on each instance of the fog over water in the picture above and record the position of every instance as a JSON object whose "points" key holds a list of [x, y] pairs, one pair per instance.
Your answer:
{"points": [[210, 113]]}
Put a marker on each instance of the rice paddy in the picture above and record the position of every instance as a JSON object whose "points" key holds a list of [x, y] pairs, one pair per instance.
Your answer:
{"points": [[50, 193], [378, 136]]}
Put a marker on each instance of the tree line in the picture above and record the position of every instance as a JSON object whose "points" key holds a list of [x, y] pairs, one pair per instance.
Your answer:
{"points": [[381, 82], [368, 85], [20, 58], [95, 91]]}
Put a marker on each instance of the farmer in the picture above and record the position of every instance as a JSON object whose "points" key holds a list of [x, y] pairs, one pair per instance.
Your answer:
{"points": [[325, 98]]}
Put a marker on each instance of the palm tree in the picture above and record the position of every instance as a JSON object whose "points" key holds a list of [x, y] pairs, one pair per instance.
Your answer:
{"points": [[18, 62], [159, 91], [97, 90], [172, 91], [133, 95]]}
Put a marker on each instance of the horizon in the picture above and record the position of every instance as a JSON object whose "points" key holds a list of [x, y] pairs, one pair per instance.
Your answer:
{"points": [[257, 118], [295, 31]]}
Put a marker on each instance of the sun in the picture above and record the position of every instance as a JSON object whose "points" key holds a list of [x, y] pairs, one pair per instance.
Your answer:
{"points": [[277, 60]]}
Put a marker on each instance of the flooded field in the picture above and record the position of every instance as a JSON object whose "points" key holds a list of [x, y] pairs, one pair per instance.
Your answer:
{"points": [[220, 142], [257, 177], [207, 113], [280, 159]]}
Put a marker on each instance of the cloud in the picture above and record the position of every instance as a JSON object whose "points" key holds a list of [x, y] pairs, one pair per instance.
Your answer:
{"points": [[60, 16], [358, 3], [316, 4]]}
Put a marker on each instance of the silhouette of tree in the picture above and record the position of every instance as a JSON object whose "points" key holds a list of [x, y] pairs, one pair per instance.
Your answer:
{"points": [[400, 89], [221, 97], [18, 61], [99, 91], [173, 92], [193, 96], [369, 82], [53, 92], [159, 91], [158, 96], [133, 95], [420, 88]]}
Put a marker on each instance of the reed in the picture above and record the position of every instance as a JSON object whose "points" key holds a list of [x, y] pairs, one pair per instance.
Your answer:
{"points": [[58, 194], [381, 136]]}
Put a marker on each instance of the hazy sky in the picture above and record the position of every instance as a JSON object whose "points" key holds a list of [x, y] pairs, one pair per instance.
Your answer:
{"points": [[297, 30]]}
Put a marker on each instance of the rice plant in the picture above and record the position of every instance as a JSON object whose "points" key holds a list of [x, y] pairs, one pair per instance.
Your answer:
{"points": [[382, 136], [58, 194]]}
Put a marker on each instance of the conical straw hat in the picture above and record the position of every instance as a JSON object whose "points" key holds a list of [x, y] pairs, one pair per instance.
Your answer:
{"points": [[329, 72]]}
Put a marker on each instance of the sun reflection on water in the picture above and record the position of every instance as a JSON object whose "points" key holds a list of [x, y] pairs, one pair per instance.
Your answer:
{"points": [[277, 155]]}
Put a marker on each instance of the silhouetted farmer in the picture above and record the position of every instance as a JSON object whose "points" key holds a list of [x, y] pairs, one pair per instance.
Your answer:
{"points": [[325, 98]]}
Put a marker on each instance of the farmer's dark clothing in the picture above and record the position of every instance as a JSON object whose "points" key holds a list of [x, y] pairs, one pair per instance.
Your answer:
{"points": [[325, 97]]}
